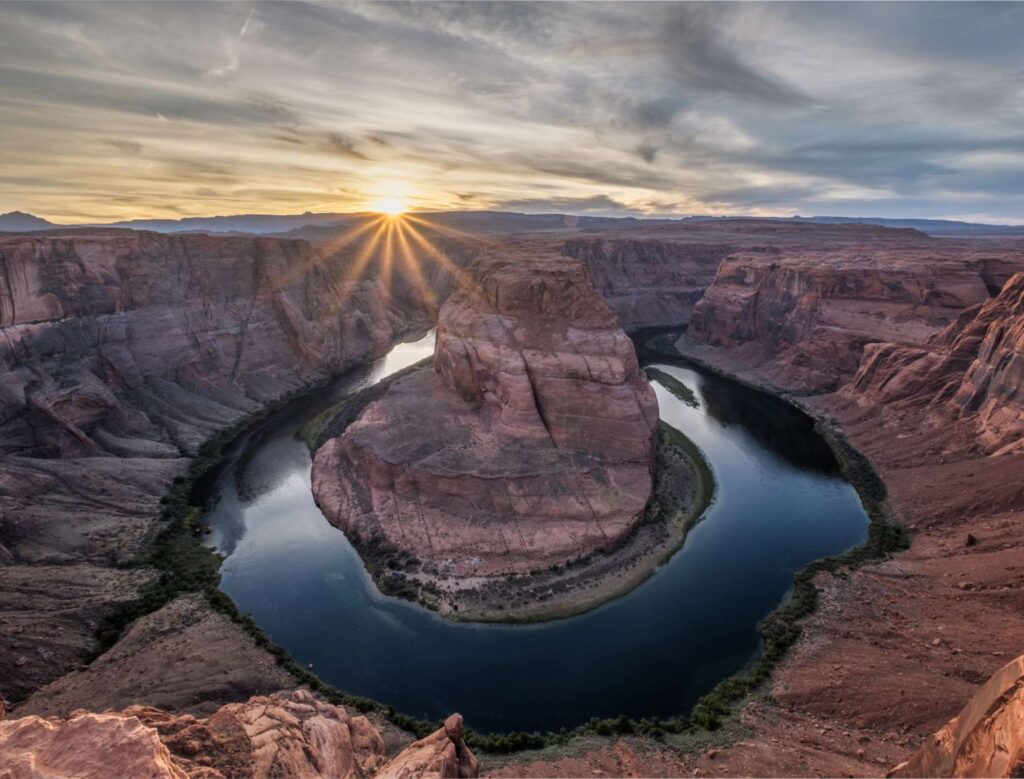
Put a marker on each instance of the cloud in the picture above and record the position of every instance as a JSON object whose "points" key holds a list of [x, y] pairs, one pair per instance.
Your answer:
{"points": [[572, 205], [339, 144], [604, 107]]}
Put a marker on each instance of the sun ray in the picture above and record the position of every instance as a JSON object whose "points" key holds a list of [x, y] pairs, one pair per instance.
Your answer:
{"points": [[462, 278], [412, 264], [451, 232], [354, 272]]}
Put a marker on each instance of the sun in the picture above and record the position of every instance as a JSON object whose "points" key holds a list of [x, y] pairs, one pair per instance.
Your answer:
{"points": [[392, 206]]}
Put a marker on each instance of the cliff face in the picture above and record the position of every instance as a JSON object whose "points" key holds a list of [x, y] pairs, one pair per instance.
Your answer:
{"points": [[528, 443], [985, 739], [139, 344], [281, 735], [807, 314], [974, 368], [649, 282], [993, 387], [121, 352]]}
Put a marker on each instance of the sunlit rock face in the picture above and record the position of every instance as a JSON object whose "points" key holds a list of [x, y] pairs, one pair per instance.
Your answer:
{"points": [[286, 735], [528, 442], [985, 739]]}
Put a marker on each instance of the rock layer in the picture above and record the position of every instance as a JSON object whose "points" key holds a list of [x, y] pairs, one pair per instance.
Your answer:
{"points": [[528, 443], [807, 314], [276, 736], [985, 739], [121, 352], [975, 368], [651, 282]]}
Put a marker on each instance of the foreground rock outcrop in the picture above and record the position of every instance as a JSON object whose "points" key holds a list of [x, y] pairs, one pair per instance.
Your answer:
{"points": [[529, 441], [985, 739], [276, 736]]}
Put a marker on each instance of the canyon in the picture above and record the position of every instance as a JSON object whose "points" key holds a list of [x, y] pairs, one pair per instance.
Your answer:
{"points": [[124, 351]]}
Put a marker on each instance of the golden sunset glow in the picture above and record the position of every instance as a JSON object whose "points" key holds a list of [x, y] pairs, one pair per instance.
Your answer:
{"points": [[398, 249], [392, 206]]}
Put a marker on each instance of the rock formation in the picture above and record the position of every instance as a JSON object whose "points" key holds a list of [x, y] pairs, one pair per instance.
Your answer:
{"points": [[121, 352], [528, 443], [974, 367], [809, 312], [443, 754], [985, 739], [276, 736], [651, 282]]}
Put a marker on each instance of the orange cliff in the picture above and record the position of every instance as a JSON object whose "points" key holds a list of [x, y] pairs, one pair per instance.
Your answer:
{"points": [[284, 735]]}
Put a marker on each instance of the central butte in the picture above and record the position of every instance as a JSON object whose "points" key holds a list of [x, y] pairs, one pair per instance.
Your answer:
{"points": [[527, 445]]}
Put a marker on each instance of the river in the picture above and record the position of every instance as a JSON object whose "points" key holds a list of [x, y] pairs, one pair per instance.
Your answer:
{"points": [[780, 503]]}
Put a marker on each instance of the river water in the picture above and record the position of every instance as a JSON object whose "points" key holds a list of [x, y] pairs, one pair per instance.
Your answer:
{"points": [[780, 503]]}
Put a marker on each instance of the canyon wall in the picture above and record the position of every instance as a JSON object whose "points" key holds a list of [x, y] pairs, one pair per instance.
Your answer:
{"points": [[974, 368], [527, 443], [284, 735], [649, 282], [805, 315], [122, 351]]}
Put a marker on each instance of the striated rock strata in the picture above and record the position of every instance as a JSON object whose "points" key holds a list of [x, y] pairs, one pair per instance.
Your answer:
{"points": [[985, 739], [528, 443], [806, 314], [120, 353], [651, 282], [281, 735], [975, 368]]}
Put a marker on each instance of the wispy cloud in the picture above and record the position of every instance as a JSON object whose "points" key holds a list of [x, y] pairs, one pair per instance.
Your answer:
{"points": [[141, 109]]}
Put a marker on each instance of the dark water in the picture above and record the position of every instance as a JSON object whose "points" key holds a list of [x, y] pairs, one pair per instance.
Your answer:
{"points": [[780, 504]]}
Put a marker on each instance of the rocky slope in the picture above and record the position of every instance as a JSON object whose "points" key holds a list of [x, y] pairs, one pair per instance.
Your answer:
{"points": [[985, 739], [122, 351], [528, 443], [975, 368], [281, 735]]}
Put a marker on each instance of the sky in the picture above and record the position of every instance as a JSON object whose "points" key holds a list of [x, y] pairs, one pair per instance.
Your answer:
{"points": [[123, 110]]}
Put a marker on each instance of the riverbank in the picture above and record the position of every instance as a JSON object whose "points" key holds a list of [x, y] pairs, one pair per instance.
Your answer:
{"points": [[893, 648], [683, 489]]}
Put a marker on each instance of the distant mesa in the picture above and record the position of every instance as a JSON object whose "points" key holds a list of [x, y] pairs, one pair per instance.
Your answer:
{"points": [[20, 222]]}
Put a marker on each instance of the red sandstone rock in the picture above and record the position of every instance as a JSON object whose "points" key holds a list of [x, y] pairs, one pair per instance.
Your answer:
{"points": [[528, 444], [649, 282], [985, 739], [442, 754], [975, 368], [282, 735], [806, 313], [86, 746]]}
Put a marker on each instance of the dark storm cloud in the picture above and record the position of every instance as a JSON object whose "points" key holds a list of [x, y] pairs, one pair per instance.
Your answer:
{"points": [[760, 108]]}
